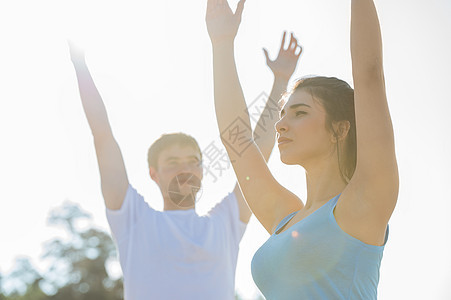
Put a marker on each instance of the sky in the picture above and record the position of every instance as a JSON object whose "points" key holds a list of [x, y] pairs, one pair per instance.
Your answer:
{"points": [[151, 61]]}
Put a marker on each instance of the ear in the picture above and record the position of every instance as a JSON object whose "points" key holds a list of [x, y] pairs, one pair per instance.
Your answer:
{"points": [[340, 130], [201, 172], [154, 174]]}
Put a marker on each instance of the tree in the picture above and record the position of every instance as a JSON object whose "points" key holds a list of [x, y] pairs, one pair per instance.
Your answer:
{"points": [[77, 264], [24, 282], [81, 259]]}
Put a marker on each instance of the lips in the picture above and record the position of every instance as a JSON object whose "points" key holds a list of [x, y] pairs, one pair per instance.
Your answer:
{"points": [[283, 140]]}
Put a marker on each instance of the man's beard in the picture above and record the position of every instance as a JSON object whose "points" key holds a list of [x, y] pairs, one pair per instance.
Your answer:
{"points": [[183, 188]]}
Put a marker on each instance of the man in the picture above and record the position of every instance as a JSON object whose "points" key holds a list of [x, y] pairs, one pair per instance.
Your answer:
{"points": [[174, 254]]}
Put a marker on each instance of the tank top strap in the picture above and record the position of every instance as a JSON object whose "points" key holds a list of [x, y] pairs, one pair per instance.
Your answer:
{"points": [[333, 202], [285, 221]]}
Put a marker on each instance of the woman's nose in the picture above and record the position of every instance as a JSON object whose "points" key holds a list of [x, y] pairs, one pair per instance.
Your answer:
{"points": [[280, 126]]}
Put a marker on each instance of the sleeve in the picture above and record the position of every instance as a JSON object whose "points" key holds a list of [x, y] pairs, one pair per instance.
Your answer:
{"points": [[123, 220], [228, 211]]}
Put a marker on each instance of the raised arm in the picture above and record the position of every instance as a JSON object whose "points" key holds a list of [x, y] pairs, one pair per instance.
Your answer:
{"points": [[376, 161], [269, 201], [282, 68], [111, 165]]}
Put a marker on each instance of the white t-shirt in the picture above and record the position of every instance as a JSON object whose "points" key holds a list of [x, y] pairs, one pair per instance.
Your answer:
{"points": [[177, 254]]}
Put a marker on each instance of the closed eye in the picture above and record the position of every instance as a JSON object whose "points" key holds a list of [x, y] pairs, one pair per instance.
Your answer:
{"points": [[301, 113]]}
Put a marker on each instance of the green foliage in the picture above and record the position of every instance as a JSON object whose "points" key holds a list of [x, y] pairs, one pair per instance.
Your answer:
{"points": [[77, 264]]}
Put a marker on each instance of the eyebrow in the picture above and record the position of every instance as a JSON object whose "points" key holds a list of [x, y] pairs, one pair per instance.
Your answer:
{"points": [[178, 158], [294, 106]]}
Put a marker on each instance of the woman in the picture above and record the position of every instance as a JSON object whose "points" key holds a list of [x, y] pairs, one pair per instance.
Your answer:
{"points": [[331, 247]]}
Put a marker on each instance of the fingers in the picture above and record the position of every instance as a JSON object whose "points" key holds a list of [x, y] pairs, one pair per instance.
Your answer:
{"points": [[293, 43], [298, 50], [215, 4], [73, 47], [282, 44], [291, 46], [268, 60], [210, 5], [295, 48], [71, 44], [77, 54], [239, 8]]}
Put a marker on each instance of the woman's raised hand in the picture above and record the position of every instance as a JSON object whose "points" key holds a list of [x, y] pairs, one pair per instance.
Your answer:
{"points": [[285, 63], [222, 23]]}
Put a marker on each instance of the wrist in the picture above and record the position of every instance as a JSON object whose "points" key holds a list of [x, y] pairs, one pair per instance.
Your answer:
{"points": [[281, 80], [223, 44]]}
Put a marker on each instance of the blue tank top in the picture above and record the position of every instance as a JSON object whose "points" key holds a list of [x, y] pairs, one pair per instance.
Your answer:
{"points": [[316, 259]]}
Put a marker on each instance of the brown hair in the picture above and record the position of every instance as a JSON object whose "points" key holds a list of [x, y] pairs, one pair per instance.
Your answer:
{"points": [[169, 140], [337, 98]]}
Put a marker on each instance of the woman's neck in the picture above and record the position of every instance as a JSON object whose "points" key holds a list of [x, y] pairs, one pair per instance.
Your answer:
{"points": [[323, 183]]}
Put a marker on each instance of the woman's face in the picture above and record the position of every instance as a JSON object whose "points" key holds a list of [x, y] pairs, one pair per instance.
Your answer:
{"points": [[301, 130]]}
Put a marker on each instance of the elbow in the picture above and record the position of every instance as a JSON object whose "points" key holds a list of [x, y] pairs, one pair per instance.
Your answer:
{"points": [[235, 143]]}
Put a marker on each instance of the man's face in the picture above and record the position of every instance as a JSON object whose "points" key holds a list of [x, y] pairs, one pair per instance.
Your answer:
{"points": [[178, 174]]}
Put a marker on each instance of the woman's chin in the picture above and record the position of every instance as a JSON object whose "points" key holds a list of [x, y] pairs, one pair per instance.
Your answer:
{"points": [[287, 160]]}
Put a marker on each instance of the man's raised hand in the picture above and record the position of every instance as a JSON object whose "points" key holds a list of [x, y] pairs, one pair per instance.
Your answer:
{"points": [[77, 55], [222, 23], [284, 65]]}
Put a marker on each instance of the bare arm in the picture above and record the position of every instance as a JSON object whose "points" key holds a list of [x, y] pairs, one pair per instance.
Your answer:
{"points": [[282, 68], [376, 161], [269, 201], [111, 165]]}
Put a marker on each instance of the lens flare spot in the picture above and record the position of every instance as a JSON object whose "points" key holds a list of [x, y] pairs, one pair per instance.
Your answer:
{"points": [[247, 178], [294, 234]]}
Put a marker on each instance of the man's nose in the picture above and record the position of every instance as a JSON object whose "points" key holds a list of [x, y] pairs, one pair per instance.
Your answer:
{"points": [[187, 167]]}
